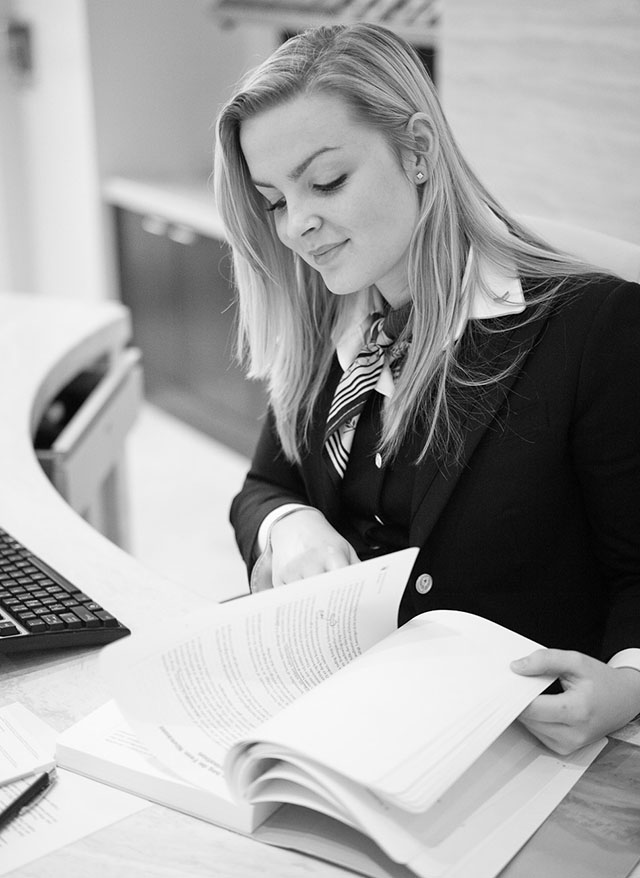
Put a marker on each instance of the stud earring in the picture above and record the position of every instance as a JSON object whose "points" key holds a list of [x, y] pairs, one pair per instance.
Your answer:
{"points": [[419, 176]]}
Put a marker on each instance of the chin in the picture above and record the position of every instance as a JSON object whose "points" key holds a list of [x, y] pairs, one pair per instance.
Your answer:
{"points": [[343, 288]]}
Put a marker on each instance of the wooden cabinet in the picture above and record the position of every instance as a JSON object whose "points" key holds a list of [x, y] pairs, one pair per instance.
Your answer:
{"points": [[177, 284]]}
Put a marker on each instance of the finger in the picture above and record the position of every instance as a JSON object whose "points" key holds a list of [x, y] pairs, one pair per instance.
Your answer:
{"points": [[549, 709], [337, 558], [560, 739], [554, 662], [299, 568], [312, 563]]}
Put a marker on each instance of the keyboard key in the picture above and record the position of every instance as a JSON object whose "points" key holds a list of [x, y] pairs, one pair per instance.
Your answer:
{"points": [[107, 619], [86, 617], [35, 625]]}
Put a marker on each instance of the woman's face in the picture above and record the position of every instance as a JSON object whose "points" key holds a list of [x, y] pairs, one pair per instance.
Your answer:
{"points": [[339, 196]]}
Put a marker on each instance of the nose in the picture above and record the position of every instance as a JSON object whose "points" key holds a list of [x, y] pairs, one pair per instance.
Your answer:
{"points": [[300, 220]]}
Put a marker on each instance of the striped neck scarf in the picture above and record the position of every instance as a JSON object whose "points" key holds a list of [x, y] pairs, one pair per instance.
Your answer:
{"points": [[358, 382]]}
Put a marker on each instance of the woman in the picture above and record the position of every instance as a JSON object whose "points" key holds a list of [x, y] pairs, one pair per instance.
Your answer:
{"points": [[438, 375]]}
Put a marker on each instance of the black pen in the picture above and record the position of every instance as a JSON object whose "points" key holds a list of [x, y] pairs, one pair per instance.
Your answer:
{"points": [[39, 785]]}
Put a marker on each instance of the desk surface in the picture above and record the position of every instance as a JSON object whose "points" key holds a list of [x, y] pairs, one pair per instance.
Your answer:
{"points": [[43, 343]]}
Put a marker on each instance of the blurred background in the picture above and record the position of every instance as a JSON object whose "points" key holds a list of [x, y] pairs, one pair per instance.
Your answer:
{"points": [[106, 113]]}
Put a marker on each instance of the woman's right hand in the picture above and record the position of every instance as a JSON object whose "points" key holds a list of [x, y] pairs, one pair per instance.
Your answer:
{"points": [[303, 543]]}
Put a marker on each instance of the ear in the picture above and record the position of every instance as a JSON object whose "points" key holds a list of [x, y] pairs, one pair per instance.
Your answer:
{"points": [[420, 158]]}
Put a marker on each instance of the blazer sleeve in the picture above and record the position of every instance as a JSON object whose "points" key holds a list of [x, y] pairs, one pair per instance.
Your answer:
{"points": [[272, 481], [605, 444]]}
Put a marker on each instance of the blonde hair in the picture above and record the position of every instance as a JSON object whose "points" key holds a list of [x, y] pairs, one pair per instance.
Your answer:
{"points": [[286, 314]]}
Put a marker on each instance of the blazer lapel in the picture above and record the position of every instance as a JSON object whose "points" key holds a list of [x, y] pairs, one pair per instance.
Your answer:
{"points": [[435, 480]]}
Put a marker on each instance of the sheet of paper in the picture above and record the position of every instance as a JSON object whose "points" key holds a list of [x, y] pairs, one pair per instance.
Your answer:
{"points": [[26, 743], [189, 696], [72, 808]]}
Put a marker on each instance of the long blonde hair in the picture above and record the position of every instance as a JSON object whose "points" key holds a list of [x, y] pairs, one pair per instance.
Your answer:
{"points": [[286, 314]]}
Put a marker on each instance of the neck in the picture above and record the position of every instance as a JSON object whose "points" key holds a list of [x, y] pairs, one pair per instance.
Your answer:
{"points": [[396, 298]]}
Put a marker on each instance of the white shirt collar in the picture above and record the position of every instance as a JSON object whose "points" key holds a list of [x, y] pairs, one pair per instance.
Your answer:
{"points": [[497, 294]]}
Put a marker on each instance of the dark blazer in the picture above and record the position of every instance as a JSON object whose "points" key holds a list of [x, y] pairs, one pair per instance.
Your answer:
{"points": [[538, 524]]}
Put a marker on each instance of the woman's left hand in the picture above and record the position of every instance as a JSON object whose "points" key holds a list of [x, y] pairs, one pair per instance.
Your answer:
{"points": [[597, 699]]}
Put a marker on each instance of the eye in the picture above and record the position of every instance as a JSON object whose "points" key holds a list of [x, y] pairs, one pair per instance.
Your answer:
{"points": [[277, 205], [323, 188], [333, 185]]}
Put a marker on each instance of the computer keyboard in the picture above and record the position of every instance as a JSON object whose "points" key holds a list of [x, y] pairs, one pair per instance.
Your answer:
{"points": [[40, 609]]}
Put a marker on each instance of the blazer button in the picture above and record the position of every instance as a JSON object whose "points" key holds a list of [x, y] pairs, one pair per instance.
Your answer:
{"points": [[424, 583]]}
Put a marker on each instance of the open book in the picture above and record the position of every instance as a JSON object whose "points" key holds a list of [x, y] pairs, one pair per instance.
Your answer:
{"points": [[303, 716]]}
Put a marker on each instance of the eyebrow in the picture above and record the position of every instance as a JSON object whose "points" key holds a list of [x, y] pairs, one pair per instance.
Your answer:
{"points": [[302, 167]]}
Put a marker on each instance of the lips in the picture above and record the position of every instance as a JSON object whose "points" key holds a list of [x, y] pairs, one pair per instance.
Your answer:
{"points": [[323, 255]]}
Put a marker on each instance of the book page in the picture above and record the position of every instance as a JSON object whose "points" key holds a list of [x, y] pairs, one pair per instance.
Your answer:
{"points": [[104, 738], [407, 718], [475, 828], [319, 836], [190, 694], [103, 747]]}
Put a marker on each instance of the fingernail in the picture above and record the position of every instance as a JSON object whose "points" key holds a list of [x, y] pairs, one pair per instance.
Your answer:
{"points": [[519, 664]]}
